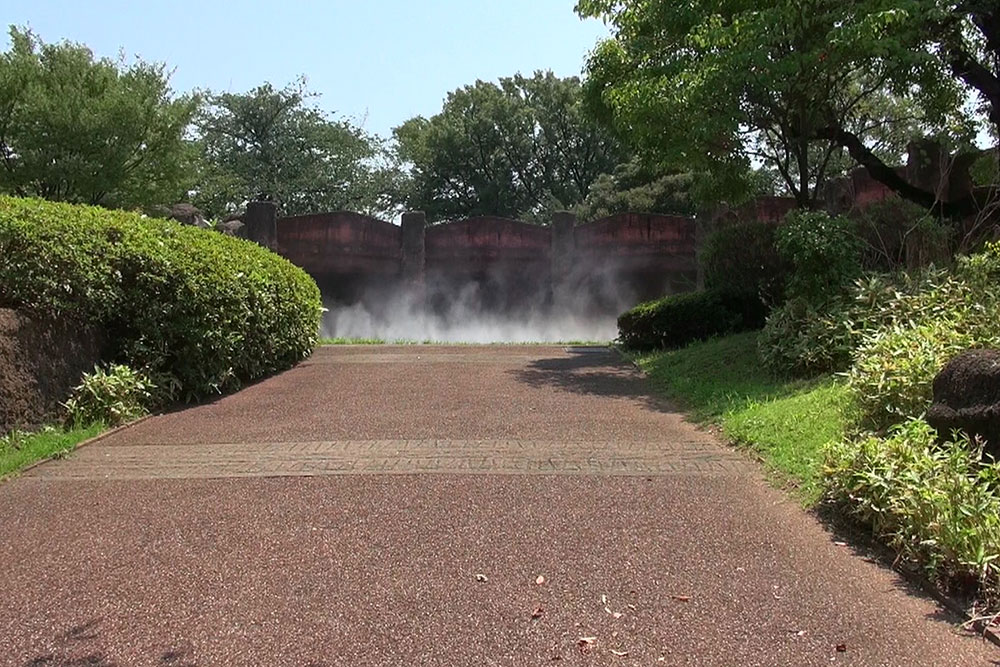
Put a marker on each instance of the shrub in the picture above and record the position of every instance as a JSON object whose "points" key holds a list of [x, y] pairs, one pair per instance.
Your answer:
{"points": [[892, 378], [937, 505], [743, 257], [897, 234], [803, 339], [823, 251], [800, 339], [679, 319], [202, 310], [113, 396]]}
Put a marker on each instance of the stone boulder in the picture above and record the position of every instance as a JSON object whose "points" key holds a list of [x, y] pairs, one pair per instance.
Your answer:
{"points": [[187, 214], [967, 398]]}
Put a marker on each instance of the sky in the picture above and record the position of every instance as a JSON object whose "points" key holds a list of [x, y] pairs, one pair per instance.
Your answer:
{"points": [[378, 62]]}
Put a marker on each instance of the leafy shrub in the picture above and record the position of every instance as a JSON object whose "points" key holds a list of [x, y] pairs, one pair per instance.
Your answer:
{"points": [[204, 311], [743, 257], [800, 339], [823, 251], [897, 234], [936, 505], [892, 378], [679, 319], [913, 335], [113, 396]]}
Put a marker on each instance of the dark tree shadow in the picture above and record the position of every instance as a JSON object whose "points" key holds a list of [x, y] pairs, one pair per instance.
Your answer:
{"points": [[594, 371]]}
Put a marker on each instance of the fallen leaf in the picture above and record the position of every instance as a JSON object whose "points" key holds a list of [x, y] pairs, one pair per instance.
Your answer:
{"points": [[798, 633], [681, 598], [841, 648], [838, 543], [586, 640], [620, 654], [540, 580], [604, 599], [617, 614], [537, 613], [482, 577]]}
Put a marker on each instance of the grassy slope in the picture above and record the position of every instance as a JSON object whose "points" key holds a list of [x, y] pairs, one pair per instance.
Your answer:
{"points": [[786, 423], [18, 450]]}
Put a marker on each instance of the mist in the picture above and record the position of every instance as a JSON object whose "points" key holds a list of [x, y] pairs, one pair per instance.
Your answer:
{"points": [[497, 307]]}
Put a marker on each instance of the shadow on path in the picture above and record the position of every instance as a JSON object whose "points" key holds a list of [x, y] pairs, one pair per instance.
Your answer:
{"points": [[594, 372]]}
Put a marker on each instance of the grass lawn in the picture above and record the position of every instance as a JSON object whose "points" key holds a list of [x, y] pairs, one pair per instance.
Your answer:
{"points": [[18, 450], [786, 423]]}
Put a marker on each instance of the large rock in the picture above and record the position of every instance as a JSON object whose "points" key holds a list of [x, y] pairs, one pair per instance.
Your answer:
{"points": [[40, 362], [967, 398]]}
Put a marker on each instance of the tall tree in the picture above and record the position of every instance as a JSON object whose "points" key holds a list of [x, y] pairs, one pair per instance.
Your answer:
{"points": [[719, 86], [515, 148], [272, 144], [85, 130], [795, 82]]}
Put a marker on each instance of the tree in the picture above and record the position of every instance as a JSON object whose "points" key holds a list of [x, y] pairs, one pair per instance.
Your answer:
{"points": [[795, 83], [81, 130], [635, 188], [270, 144], [516, 148]]}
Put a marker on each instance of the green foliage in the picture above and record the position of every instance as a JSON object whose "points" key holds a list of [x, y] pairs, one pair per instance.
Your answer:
{"points": [[892, 377], [937, 505], [517, 148], [189, 307], [270, 144], [679, 319], [910, 336], [803, 340], [635, 188], [19, 449], [823, 252], [828, 79], [743, 256], [81, 130], [786, 423], [897, 235], [111, 396]]}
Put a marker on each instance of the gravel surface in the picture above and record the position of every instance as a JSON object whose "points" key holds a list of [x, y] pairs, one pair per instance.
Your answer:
{"points": [[702, 566]]}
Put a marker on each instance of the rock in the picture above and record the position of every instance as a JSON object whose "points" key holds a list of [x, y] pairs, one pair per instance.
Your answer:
{"points": [[187, 214], [967, 398], [230, 227]]}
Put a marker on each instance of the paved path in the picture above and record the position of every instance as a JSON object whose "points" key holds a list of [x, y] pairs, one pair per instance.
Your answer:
{"points": [[396, 506]]}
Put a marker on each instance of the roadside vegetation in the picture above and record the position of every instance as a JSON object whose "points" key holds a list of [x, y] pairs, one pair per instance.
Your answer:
{"points": [[831, 394], [186, 313], [19, 449]]}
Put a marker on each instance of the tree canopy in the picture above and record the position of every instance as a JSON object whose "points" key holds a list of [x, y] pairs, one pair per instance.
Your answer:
{"points": [[271, 144], [793, 83], [85, 130], [515, 148]]}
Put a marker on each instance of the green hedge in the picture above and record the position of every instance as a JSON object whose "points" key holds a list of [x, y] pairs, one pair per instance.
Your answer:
{"points": [[198, 311], [676, 320]]}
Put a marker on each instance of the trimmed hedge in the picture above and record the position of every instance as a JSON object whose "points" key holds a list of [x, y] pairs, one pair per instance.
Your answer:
{"points": [[679, 319], [197, 311]]}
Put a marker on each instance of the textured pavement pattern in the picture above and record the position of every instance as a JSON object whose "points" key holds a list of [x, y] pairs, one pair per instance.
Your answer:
{"points": [[397, 506]]}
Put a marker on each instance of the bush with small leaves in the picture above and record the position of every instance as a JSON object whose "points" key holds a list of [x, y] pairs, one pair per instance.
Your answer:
{"points": [[823, 251], [676, 320], [200, 312]]}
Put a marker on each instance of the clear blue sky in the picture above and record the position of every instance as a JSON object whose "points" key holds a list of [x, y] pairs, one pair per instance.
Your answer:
{"points": [[380, 61]]}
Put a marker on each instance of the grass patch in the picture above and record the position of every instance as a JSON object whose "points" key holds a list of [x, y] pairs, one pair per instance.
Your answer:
{"points": [[350, 341], [18, 450], [787, 423]]}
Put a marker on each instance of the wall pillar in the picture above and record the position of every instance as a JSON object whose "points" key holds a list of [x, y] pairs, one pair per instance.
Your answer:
{"points": [[261, 223], [414, 225], [563, 256]]}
